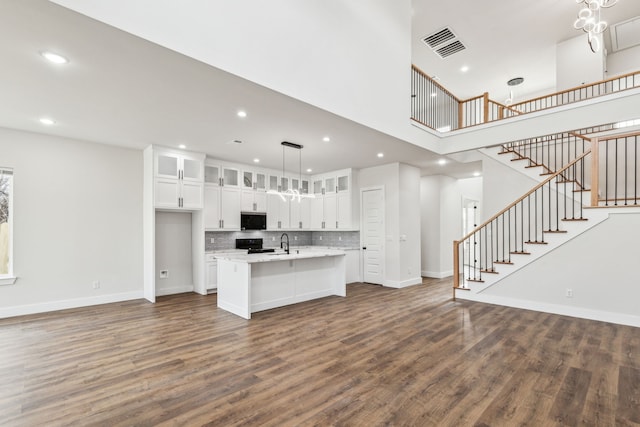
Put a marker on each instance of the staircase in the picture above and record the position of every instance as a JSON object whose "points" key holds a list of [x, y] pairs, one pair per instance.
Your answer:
{"points": [[573, 171]]}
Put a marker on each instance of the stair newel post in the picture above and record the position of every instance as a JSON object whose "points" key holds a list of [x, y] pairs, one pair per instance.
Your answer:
{"points": [[485, 104], [456, 267], [595, 153]]}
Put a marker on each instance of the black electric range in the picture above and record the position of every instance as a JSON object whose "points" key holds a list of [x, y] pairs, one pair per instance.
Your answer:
{"points": [[253, 246]]}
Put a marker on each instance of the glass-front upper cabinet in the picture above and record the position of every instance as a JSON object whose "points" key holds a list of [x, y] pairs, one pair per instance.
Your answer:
{"points": [[260, 181], [247, 179], [273, 183], [284, 183], [304, 187], [330, 185], [167, 165], [212, 174], [317, 186], [230, 177], [343, 183]]}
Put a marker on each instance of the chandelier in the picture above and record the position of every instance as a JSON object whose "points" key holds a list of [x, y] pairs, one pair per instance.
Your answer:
{"points": [[292, 194], [589, 20]]}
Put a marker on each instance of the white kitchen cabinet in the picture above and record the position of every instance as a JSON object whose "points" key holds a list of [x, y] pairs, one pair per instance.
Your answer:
{"points": [[278, 215], [300, 214], [221, 207], [254, 186], [179, 179], [254, 201], [353, 264], [333, 206], [231, 177], [211, 273]]}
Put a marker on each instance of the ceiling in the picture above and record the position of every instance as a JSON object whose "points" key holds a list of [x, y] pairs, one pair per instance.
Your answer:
{"points": [[501, 39], [121, 90]]}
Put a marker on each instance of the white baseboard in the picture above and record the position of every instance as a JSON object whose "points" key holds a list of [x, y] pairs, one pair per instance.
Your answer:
{"points": [[44, 307], [403, 283], [174, 290], [436, 274], [583, 313]]}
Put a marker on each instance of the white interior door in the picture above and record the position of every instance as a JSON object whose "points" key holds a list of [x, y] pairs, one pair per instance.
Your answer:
{"points": [[373, 236]]}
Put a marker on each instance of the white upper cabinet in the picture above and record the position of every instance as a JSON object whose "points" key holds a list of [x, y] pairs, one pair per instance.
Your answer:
{"points": [[333, 205], [179, 179], [230, 177], [212, 174]]}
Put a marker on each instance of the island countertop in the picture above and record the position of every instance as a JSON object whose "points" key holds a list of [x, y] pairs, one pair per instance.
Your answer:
{"points": [[279, 255]]}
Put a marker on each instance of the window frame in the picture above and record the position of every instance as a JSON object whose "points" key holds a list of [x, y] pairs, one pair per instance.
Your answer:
{"points": [[9, 278]]}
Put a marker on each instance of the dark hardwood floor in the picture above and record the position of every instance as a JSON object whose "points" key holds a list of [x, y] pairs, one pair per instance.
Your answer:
{"points": [[408, 357]]}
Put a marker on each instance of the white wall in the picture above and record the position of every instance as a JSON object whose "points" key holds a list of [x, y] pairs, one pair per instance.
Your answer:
{"points": [[576, 64], [501, 185], [623, 62], [173, 252], [402, 210], [350, 58], [441, 207], [77, 210], [599, 266], [409, 227]]}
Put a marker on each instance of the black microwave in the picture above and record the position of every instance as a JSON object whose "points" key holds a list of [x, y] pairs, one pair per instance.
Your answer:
{"points": [[253, 221]]}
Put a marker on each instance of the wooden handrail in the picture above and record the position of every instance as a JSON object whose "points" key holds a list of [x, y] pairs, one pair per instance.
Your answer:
{"points": [[425, 75], [527, 194], [576, 88]]}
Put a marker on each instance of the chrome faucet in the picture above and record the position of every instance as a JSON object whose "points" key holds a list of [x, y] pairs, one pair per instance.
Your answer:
{"points": [[282, 243]]}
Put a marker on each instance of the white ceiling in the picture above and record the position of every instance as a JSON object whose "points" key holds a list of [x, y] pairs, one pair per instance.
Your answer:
{"points": [[121, 90], [503, 39]]}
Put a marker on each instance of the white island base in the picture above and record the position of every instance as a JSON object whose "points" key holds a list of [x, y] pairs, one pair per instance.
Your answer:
{"points": [[251, 283]]}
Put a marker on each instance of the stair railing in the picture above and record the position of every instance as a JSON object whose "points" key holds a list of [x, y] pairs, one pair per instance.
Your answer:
{"points": [[526, 221], [616, 158], [435, 107]]}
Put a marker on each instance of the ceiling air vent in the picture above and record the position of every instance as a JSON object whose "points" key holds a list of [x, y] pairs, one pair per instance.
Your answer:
{"points": [[450, 49], [439, 37], [444, 42]]}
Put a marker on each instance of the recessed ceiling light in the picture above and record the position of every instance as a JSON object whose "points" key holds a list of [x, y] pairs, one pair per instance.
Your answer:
{"points": [[182, 146], [380, 155], [309, 170], [47, 121], [326, 139], [256, 160], [242, 113], [54, 57], [464, 68], [442, 162], [476, 174]]}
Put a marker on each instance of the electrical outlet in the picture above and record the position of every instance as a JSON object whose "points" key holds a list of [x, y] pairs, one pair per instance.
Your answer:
{"points": [[96, 284], [340, 238], [295, 237], [212, 240], [569, 293], [320, 237], [164, 274]]}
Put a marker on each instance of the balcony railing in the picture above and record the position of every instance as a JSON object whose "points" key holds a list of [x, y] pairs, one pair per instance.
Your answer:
{"points": [[435, 107]]}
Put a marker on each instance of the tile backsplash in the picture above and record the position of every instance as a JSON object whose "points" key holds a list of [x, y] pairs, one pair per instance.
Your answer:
{"points": [[227, 239]]}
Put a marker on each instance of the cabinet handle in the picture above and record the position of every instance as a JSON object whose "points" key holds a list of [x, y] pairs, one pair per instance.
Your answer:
{"points": [[336, 224], [300, 224], [279, 224], [255, 185], [255, 206], [222, 223]]}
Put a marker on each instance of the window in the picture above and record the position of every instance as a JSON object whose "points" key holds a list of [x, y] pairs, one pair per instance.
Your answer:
{"points": [[6, 226]]}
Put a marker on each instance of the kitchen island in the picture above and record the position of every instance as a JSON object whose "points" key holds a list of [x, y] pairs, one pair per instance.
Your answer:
{"points": [[256, 282]]}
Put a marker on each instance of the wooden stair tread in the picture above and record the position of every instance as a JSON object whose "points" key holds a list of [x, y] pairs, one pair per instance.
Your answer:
{"points": [[581, 189], [534, 165], [503, 262], [489, 271], [554, 231], [461, 288], [520, 253], [474, 280], [547, 173], [574, 219], [519, 158], [536, 243]]}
